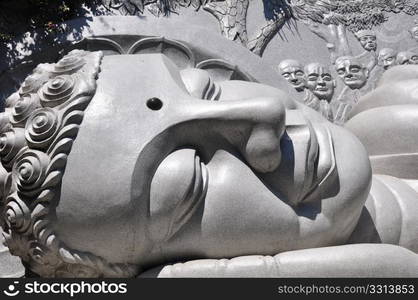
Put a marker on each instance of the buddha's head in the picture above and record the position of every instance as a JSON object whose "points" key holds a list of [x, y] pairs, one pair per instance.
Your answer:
{"points": [[292, 71], [387, 58], [127, 161], [352, 72], [319, 81]]}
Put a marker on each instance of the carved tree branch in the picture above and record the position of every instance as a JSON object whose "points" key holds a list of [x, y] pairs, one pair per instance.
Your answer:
{"points": [[344, 48], [335, 37], [232, 17], [258, 43]]}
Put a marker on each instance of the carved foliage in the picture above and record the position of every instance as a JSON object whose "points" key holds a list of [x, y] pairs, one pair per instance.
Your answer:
{"points": [[232, 18]]}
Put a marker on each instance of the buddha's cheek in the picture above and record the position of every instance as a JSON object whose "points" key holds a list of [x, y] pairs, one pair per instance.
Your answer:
{"points": [[342, 202], [241, 215]]}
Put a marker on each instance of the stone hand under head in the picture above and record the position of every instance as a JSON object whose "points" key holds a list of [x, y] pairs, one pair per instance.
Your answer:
{"points": [[319, 81], [292, 71]]}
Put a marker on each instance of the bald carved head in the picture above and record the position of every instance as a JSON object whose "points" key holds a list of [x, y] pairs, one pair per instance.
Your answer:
{"points": [[387, 58], [367, 39], [352, 72], [292, 71], [319, 81]]}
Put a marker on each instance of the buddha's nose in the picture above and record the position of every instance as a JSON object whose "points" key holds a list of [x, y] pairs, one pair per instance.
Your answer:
{"points": [[253, 126]]}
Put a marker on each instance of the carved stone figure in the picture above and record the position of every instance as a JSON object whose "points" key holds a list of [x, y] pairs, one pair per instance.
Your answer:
{"points": [[407, 58], [320, 82], [194, 168], [367, 39], [353, 73], [387, 58], [413, 31], [293, 72]]}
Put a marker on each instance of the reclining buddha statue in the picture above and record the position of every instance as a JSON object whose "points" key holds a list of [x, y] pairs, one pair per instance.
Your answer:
{"points": [[141, 164]]}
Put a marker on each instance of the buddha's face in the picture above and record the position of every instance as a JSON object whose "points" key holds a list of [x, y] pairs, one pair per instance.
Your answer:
{"points": [[368, 42], [156, 174], [352, 72], [293, 72], [319, 81], [387, 58]]}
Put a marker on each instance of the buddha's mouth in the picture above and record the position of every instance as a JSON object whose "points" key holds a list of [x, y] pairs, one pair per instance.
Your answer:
{"points": [[324, 163], [194, 196], [312, 162]]}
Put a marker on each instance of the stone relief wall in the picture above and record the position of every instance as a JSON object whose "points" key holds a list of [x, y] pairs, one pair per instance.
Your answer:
{"points": [[231, 15], [356, 29], [357, 74]]}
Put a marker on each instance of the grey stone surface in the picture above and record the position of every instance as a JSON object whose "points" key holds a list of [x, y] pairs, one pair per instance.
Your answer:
{"points": [[151, 141], [323, 262], [385, 121], [10, 266]]}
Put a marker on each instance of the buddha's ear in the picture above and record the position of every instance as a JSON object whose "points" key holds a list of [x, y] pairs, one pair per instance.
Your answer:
{"points": [[334, 83]]}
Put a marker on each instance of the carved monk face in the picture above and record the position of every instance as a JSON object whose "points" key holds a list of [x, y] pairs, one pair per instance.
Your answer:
{"points": [[352, 72], [387, 58], [292, 71], [319, 81], [414, 59], [171, 176], [367, 40], [414, 32], [407, 58]]}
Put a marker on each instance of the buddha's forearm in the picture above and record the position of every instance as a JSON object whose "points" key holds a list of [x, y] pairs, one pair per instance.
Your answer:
{"points": [[359, 260]]}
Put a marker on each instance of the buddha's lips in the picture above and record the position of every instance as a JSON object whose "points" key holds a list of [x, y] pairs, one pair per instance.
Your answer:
{"points": [[194, 196], [324, 160], [313, 161], [306, 149]]}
